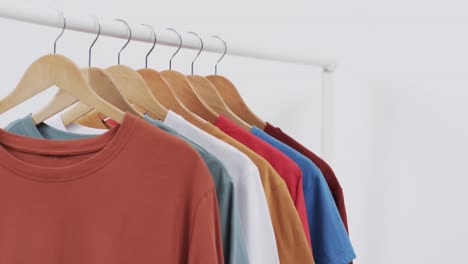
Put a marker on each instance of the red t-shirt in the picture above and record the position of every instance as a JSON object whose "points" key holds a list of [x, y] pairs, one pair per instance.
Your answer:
{"points": [[286, 168], [327, 171]]}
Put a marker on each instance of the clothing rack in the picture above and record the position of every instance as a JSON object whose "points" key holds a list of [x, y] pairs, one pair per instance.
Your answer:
{"points": [[50, 17]]}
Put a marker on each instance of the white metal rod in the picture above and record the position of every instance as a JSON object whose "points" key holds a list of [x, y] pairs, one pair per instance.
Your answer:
{"points": [[328, 99], [51, 18]]}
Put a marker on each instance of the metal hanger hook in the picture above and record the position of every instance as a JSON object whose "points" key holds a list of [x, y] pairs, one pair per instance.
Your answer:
{"points": [[199, 51], [178, 49], [222, 56], [64, 25], [129, 38], [95, 39], [155, 39]]}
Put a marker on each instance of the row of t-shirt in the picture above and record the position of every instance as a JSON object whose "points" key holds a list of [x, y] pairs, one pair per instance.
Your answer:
{"points": [[167, 192]]}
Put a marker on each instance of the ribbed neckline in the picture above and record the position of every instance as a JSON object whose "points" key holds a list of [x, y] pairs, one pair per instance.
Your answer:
{"points": [[106, 146]]}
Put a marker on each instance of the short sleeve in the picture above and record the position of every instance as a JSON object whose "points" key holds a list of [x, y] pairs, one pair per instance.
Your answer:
{"points": [[205, 239]]}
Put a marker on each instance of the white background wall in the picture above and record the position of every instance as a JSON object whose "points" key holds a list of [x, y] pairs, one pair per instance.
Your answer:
{"points": [[401, 98]]}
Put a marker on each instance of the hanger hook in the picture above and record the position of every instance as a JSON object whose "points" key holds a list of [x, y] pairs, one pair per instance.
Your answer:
{"points": [[199, 51], [178, 49], [128, 40], [222, 56], [155, 39], [64, 25], [94, 41]]}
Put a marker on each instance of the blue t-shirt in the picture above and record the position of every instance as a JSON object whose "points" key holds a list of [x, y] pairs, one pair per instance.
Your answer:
{"points": [[330, 241]]}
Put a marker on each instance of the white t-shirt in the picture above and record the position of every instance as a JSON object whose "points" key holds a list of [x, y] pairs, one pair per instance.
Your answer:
{"points": [[56, 122], [249, 194]]}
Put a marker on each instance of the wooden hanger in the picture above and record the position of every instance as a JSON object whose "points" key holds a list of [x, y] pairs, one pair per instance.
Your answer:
{"points": [[206, 90], [133, 87], [57, 70], [231, 95], [103, 85], [180, 86], [161, 90], [136, 91], [208, 93], [93, 119], [234, 100], [164, 94], [62, 100]]}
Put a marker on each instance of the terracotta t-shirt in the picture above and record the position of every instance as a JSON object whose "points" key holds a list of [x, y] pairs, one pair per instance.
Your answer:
{"points": [[285, 167], [291, 240], [327, 171], [122, 197]]}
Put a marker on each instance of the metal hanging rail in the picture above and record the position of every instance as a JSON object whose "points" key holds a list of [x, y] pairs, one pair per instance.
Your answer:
{"points": [[50, 17], [86, 24]]}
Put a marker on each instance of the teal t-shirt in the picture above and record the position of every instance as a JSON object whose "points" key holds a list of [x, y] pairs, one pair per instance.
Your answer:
{"points": [[233, 239]]}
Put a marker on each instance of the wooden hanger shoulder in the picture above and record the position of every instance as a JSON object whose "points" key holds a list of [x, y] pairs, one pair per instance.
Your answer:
{"points": [[92, 119], [179, 84], [234, 100], [136, 91], [208, 93], [166, 96], [59, 102], [105, 87], [56, 70], [103, 84]]}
